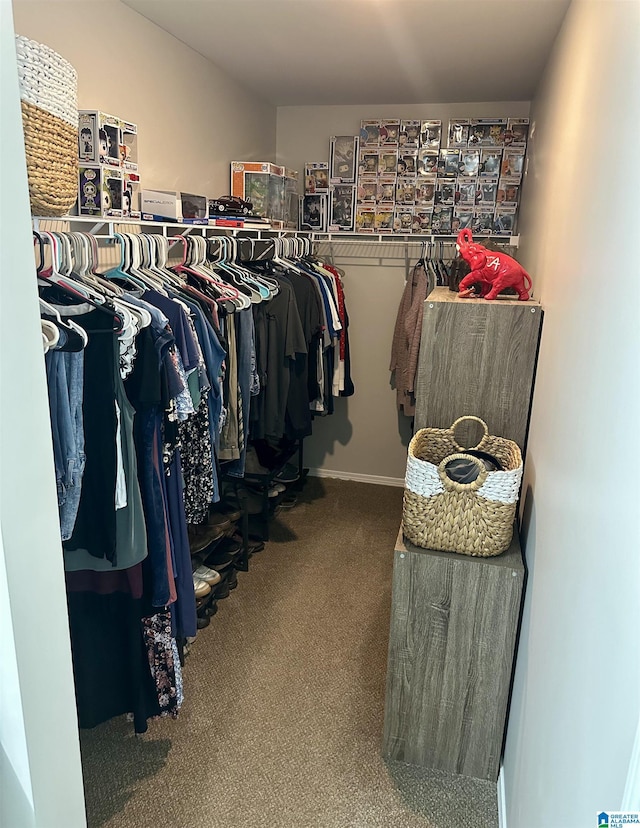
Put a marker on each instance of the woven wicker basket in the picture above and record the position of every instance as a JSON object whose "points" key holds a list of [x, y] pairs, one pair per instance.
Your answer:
{"points": [[48, 93], [470, 518]]}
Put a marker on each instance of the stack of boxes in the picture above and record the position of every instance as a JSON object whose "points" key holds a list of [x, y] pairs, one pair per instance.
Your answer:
{"points": [[270, 188], [418, 176], [109, 184]]}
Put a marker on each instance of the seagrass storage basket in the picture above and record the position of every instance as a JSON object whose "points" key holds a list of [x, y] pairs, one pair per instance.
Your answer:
{"points": [[473, 518], [49, 101]]}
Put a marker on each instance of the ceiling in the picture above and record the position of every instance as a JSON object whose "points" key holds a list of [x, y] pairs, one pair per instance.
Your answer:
{"points": [[294, 52]]}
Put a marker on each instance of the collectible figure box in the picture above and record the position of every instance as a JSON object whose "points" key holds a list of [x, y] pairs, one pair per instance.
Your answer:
{"points": [[513, 163], [342, 207], [316, 177], [517, 132], [405, 191], [487, 132], [160, 205], [458, 135], [422, 218], [490, 162], [428, 162], [462, 217], [430, 134], [386, 190], [369, 162], [370, 133], [343, 159], [425, 192], [129, 146], [100, 191], [505, 220], [408, 162], [482, 220], [261, 183], [194, 209], [384, 219], [131, 195], [449, 162], [487, 191], [466, 191], [389, 133], [291, 206], [365, 218], [469, 162], [388, 161], [403, 219], [313, 212], [367, 189], [441, 220], [99, 138], [445, 191], [409, 137], [508, 192]]}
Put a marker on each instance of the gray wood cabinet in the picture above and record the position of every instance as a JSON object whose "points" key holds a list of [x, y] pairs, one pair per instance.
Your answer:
{"points": [[454, 620], [477, 357]]}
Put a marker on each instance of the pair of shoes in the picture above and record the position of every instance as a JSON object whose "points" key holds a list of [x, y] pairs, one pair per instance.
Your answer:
{"points": [[202, 535], [289, 502], [275, 489], [210, 576], [202, 621], [289, 474], [220, 520], [201, 588]]}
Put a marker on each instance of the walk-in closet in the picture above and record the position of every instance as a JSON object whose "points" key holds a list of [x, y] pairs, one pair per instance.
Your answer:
{"points": [[319, 346]]}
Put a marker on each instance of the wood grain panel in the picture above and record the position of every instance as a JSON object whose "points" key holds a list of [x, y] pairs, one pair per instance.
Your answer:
{"points": [[453, 628], [477, 357]]}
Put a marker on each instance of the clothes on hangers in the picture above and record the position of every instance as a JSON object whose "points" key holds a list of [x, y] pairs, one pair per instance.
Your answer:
{"points": [[405, 348]]}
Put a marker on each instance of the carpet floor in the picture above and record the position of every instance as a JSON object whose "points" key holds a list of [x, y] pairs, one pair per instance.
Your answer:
{"points": [[284, 697]]}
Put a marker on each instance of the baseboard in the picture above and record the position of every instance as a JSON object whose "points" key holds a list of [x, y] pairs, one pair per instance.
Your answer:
{"points": [[376, 479], [502, 800]]}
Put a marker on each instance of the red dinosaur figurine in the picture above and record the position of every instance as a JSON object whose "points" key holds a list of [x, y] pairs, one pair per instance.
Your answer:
{"points": [[493, 271]]}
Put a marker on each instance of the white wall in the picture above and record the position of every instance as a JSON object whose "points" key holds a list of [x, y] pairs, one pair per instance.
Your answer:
{"points": [[192, 118], [40, 772], [366, 435], [577, 687]]}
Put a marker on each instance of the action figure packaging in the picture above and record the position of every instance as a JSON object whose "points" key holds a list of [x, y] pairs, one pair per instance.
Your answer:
{"points": [[508, 192], [316, 177], [370, 133], [490, 161], [342, 207], [369, 161], [386, 190], [384, 219], [441, 221], [428, 162], [408, 162], [389, 133], [343, 159], [403, 219], [367, 189], [425, 192], [482, 220], [487, 191], [448, 162], [445, 191], [422, 219], [388, 161], [291, 204], [405, 191], [131, 195], [466, 191], [409, 137], [365, 218], [194, 209], [129, 146], [487, 132], [261, 183], [505, 220], [469, 162], [513, 163], [99, 138], [313, 212], [458, 133], [100, 190], [462, 217], [517, 132], [276, 193], [430, 134]]}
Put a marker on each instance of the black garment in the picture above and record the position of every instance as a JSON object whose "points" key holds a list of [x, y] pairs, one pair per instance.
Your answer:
{"points": [[95, 526], [349, 389]]}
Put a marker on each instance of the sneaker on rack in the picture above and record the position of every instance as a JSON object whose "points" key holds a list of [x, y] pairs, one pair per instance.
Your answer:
{"points": [[206, 574], [201, 588], [289, 474]]}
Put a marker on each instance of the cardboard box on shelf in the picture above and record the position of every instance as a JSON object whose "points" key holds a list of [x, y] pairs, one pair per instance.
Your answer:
{"points": [[100, 190], [99, 138]]}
